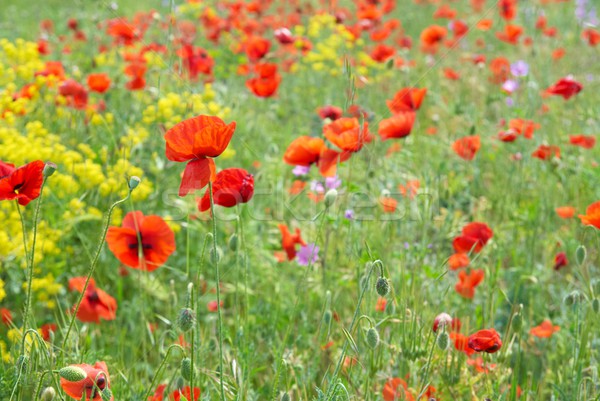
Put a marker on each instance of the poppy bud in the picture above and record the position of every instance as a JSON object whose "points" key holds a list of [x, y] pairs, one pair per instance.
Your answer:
{"points": [[517, 321], [372, 338], [330, 197], [49, 169], [106, 394], [48, 394], [285, 397], [233, 242], [134, 182], [441, 320], [186, 319], [72, 373], [186, 368], [596, 305], [443, 340], [580, 254], [215, 257], [572, 298], [22, 362], [327, 317], [382, 286]]}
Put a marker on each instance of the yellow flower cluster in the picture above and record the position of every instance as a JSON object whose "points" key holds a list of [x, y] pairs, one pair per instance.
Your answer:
{"points": [[173, 108], [45, 289]]}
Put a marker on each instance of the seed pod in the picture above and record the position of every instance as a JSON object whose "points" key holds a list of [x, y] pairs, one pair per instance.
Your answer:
{"points": [[572, 298], [49, 169], [330, 197], [186, 369], [48, 394], [443, 341], [134, 182], [186, 319], [72, 373], [382, 286], [372, 338], [580, 254]]}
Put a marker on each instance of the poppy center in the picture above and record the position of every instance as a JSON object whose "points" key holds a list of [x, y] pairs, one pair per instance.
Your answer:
{"points": [[92, 296]]}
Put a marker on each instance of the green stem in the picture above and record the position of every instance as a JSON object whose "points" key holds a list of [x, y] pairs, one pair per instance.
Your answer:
{"points": [[153, 382], [355, 318], [93, 266], [218, 278]]}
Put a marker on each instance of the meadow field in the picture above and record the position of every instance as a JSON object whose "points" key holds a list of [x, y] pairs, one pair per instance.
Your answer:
{"points": [[299, 200]]}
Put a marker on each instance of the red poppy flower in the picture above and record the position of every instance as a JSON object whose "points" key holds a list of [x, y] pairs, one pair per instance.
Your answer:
{"points": [[565, 87], [397, 126], [467, 147], [431, 37], [591, 35], [304, 151], [231, 187], [289, 241], [458, 261], [474, 237], [461, 343], [406, 99], [330, 112], [565, 212], [467, 282], [500, 68], [142, 242], [186, 392], [584, 141], [396, 389], [6, 316], [523, 127], [481, 367], [256, 47], [96, 304], [197, 140], [75, 93], [508, 9], [46, 329], [23, 184], [98, 82], [382, 52], [546, 152], [347, 134], [381, 304], [159, 393], [544, 330], [510, 34], [444, 11], [388, 204], [592, 216], [90, 388], [443, 320], [560, 260], [267, 81], [487, 340]]}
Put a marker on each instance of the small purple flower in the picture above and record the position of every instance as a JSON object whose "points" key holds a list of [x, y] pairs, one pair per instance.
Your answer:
{"points": [[349, 214], [332, 182], [510, 102], [317, 186], [406, 245], [307, 254], [519, 68], [301, 170], [510, 85]]}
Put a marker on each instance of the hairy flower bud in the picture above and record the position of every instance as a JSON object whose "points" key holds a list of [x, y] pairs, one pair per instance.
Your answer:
{"points": [[186, 368], [382, 286], [72, 373], [330, 197], [49, 169], [48, 394], [372, 338], [580, 254], [134, 182], [443, 340], [186, 319]]}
